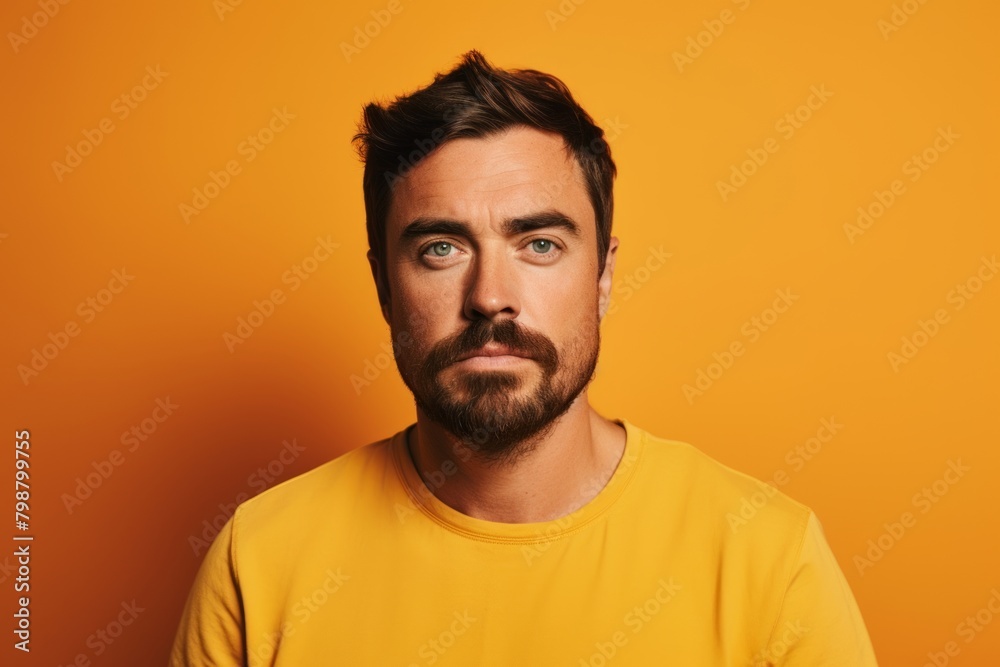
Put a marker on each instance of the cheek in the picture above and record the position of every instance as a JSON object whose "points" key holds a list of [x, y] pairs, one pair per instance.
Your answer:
{"points": [[560, 302], [579, 327], [417, 324], [426, 304]]}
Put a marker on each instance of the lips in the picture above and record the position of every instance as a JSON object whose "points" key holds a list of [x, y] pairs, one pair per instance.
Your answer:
{"points": [[493, 351]]}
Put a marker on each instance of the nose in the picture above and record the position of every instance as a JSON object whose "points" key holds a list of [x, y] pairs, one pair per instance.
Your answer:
{"points": [[493, 286]]}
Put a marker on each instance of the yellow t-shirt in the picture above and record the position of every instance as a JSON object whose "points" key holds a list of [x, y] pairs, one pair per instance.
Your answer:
{"points": [[678, 560]]}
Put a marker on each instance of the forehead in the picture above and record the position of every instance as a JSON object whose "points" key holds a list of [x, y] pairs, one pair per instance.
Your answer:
{"points": [[486, 179]]}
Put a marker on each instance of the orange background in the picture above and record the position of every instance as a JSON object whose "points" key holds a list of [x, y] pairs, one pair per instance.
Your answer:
{"points": [[677, 129]]}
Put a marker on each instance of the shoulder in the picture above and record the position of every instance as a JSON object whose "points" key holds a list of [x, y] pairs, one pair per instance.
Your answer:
{"points": [[327, 491], [742, 539], [734, 500]]}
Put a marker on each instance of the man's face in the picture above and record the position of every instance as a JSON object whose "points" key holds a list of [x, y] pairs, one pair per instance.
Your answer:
{"points": [[494, 298]]}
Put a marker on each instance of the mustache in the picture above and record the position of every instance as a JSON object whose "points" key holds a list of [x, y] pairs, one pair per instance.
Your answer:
{"points": [[505, 332]]}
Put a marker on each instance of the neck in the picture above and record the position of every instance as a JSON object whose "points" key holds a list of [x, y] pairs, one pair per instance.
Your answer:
{"points": [[561, 472]]}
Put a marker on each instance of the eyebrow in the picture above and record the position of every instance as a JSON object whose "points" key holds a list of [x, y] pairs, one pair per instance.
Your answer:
{"points": [[424, 226]]}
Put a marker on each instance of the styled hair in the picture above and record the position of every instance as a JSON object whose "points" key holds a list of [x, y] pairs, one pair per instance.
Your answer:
{"points": [[476, 99]]}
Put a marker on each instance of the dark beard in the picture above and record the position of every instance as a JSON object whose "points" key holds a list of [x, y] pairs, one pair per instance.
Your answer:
{"points": [[492, 422]]}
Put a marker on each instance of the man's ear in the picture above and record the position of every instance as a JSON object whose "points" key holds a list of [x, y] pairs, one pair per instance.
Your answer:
{"points": [[380, 287], [604, 283]]}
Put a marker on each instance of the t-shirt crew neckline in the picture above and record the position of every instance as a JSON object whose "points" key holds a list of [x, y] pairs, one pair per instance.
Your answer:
{"points": [[424, 500]]}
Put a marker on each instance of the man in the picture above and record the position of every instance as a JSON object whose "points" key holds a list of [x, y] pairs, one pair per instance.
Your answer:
{"points": [[511, 524]]}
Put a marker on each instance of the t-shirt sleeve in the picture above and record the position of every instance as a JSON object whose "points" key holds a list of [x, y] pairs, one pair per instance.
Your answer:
{"points": [[211, 628], [819, 623]]}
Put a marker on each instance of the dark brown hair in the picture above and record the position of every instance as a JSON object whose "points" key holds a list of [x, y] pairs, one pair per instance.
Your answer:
{"points": [[476, 99]]}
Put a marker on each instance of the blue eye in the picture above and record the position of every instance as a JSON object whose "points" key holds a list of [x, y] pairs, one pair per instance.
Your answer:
{"points": [[442, 249], [542, 246]]}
